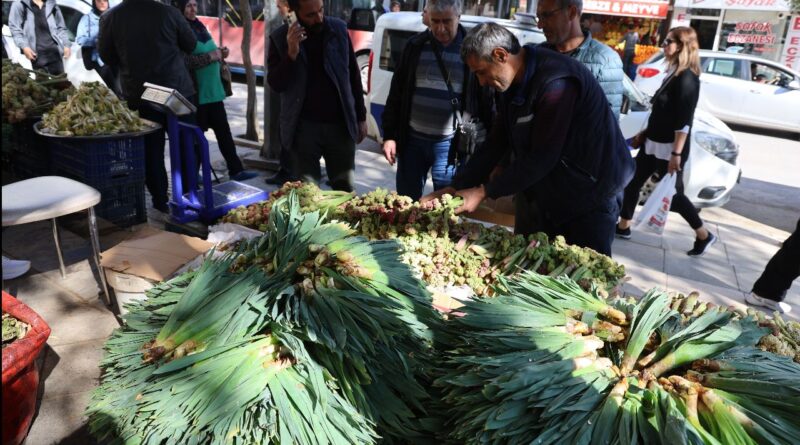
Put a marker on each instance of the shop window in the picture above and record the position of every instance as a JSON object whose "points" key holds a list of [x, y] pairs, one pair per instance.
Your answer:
{"points": [[724, 67], [759, 33]]}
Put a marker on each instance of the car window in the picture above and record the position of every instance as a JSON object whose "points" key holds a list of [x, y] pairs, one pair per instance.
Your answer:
{"points": [[392, 47], [768, 74], [71, 18], [654, 58], [724, 67], [637, 99]]}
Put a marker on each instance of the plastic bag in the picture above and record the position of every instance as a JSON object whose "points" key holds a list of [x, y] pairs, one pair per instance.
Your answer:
{"points": [[653, 216]]}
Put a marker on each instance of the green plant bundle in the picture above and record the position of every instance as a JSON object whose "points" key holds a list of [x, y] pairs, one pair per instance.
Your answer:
{"points": [[441, 248], [92, 110], [546, 362], [305, 335], [29, 93]]}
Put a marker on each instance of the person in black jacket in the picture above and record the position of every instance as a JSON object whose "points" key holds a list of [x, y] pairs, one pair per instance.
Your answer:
{"points": [[553, 122], [419, 119], [666, 138], [147, 40]]}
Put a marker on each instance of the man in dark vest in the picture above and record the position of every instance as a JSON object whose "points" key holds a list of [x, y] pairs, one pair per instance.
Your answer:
{"points": [[312, 65], [557, 134]]}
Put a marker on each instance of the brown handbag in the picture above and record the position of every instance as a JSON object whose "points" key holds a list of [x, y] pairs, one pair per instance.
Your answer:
{"points": [[225, 75]]}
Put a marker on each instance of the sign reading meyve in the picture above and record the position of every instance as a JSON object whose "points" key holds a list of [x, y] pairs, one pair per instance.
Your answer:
{"points": [[629, 8]]}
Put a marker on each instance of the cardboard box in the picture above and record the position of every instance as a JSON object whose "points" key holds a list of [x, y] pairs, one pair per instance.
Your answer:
{"points": [[151, 256], [495, 211]]}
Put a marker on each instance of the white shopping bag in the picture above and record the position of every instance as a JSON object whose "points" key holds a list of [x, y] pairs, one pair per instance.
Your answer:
{"points": [[653, 216]]}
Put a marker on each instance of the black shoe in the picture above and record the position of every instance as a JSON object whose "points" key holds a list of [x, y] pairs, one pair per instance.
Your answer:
{"points": [[622, 233], [700, 247], [163, 208], [277, 179]]}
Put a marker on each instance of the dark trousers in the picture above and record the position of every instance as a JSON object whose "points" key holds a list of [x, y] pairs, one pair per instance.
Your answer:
{"points": [[594, 230], [422, 154], [781, 270], [331, 142], [646, 165], [627, 64], [156, 178], [213, 116], [54, 66], [110, 77], [285, 158]]}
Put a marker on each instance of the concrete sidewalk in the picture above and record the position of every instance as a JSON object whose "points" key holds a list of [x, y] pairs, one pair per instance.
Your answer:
{"points": [[81, 323]]}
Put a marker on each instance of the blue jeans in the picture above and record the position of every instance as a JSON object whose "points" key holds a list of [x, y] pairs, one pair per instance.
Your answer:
{"points": [[422, 154]]}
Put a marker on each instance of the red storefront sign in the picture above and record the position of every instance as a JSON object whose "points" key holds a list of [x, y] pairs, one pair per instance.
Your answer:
{"points": [[628, 8]]}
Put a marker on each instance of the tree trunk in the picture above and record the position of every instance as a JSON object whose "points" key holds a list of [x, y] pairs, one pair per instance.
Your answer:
{"points": [[247, 23]]}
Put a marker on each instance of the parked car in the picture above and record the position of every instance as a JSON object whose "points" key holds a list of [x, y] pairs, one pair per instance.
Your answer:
{"points": [[738, 88], [711, 172], [73, 11]]}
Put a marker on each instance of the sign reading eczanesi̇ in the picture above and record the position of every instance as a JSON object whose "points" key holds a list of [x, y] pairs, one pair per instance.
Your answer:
{"points": [[754, 5], [791, 46]]}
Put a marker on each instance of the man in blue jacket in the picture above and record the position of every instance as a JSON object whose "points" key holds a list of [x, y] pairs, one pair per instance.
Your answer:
{"points": [[564, 146], [312, 65], [560, 21]]}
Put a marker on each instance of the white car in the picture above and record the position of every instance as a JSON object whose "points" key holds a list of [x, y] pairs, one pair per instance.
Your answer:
{"points": [[711, 172], [73, 11], [738, 88]]}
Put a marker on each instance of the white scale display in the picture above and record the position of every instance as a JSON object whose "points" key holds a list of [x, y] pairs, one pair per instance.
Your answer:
{"points": [[168, 98]]}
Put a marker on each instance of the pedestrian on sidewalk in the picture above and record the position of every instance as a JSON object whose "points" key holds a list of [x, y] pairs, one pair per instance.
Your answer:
{"points": [[664, 144], [553, 122], [312, 65], [430, 83], [285, 170], [561, 23], [38, 29], [148, 40], [630, 39], [204, 64], [782, 269], [86, 37]]}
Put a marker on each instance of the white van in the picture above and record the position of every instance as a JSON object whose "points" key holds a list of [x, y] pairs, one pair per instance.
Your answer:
{"points": [[710, 174]]}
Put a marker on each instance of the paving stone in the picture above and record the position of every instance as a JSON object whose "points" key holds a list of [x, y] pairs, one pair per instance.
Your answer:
{"points": [[60, 421], [73, 368], [747, 277], [705, 269]]}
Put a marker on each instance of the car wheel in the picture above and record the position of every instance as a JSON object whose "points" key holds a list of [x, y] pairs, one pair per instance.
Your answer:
{"points": [[363, 65]]}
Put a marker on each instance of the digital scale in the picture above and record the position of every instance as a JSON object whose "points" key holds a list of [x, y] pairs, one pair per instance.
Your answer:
{"points": [[205, 201]]}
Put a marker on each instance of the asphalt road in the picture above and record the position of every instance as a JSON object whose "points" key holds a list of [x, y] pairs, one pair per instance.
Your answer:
{"points": [[770, 188]]}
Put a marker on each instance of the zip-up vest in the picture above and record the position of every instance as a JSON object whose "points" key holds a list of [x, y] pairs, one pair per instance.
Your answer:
{"points": [[595, 163]]}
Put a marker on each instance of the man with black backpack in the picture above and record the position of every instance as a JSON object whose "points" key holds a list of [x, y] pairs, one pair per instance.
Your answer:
{"points": [[556, 137]]}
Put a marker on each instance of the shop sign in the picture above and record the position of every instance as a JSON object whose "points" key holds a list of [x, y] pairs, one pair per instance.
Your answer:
{"points": [[628, 8], [763, 36], [753, 5], [791, 47]]}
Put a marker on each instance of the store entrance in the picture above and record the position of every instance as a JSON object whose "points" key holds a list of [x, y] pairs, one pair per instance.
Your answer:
{"points": [[706, 32]]}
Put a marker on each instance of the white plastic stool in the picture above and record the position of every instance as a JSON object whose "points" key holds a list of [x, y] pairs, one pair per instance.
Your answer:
{"points": [[48, 197]]}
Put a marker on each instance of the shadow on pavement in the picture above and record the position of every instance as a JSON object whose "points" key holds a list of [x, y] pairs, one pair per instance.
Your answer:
{"points": [[765, 132]]}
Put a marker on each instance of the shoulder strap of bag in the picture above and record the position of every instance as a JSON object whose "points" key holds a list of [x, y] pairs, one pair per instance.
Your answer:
{"points": [[454, 101]]}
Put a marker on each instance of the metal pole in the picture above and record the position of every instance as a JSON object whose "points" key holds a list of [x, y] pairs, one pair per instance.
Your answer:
{"points": [[57, 239]]}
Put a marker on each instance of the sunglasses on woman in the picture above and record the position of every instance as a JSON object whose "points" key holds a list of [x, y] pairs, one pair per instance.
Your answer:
{"points": [[668, 42]]}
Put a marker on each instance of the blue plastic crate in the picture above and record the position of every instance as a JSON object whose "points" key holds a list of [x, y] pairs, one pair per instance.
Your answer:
{"points": [[123, 205], [99, 163]]}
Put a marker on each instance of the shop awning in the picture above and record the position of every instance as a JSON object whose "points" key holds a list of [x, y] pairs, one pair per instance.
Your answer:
{"points": [[627, 8]]}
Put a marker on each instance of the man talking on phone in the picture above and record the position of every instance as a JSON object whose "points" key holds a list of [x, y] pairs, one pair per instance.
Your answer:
{"points": [[312, 65]]}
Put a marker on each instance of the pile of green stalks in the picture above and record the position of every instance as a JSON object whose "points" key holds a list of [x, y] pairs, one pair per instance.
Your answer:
{"points": [[306, 335], [546, 362]]}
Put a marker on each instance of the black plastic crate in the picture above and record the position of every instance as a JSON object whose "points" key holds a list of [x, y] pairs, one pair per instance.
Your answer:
{"points": [[101, 163], [123, 205], [25, 153], [25, 165]]}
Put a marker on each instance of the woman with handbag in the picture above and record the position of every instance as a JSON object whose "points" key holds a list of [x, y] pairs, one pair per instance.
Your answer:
{"points": [[664, 144], [86, 37], [207, 64]]}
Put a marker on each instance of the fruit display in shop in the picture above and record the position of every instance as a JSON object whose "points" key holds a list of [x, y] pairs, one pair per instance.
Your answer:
{"points": [[305, 335], [26, 97], [92, 110], [546, 362], [442, 248]]}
